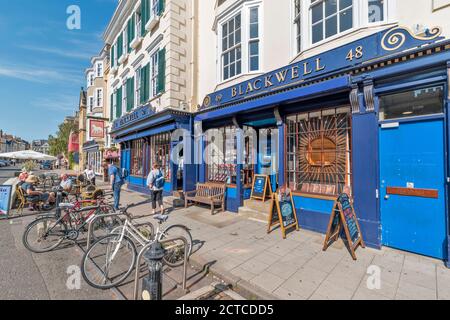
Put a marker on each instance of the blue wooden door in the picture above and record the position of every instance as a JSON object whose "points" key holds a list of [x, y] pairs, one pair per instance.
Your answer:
{"points": [[412, 156]]}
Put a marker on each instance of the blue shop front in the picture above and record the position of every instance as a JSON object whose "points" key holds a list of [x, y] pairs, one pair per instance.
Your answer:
{"points": [[147, 137], [372, 115]]}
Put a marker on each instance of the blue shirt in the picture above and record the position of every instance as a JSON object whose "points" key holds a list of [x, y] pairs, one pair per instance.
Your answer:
{"points": [[114, 171]]}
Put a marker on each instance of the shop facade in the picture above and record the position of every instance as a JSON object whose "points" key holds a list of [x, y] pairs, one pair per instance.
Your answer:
{"points": [[147, 137], [371, 114]]}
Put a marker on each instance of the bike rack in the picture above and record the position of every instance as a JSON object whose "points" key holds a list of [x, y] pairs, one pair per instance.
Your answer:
{"points": [[88, 245], [145, 248]]}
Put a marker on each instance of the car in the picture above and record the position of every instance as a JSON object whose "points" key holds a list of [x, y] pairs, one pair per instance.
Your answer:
{"points": [[46, 165], [3, 163]]}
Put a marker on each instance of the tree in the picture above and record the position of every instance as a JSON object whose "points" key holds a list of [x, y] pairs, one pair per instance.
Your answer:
{"points": [[59, 144]]}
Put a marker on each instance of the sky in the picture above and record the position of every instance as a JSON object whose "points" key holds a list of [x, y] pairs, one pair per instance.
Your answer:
{"points": [[42, 61]]}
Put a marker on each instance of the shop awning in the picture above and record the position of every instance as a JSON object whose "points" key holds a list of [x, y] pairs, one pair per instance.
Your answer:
{"points": [[314, 90], [146, 133]]}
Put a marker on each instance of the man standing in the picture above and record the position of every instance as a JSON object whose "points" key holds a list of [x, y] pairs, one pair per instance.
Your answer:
{"points": [[90, 174], [116, 179], [155, 181]]}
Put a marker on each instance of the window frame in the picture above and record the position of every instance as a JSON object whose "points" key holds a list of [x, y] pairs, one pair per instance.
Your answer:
{"points": [[244, 10], [153, 73], [91, 103], [137, 86], [297, 154], [99, 97], [99, 69]]}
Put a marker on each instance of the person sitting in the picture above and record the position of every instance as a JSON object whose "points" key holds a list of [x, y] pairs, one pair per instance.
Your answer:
{"points": [[29, 188], [23, 177], [66, 183]]}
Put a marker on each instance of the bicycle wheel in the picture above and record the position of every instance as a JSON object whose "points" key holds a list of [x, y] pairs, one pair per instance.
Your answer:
{"points": [[175, 249], [104, 225], [109, 261], [44, 234]]}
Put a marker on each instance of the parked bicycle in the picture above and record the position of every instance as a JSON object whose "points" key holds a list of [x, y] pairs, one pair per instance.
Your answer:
{"points": [[110, 260], [49, 231]]}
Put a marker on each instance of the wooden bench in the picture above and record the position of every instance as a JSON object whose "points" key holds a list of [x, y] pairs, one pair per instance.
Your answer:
{"points": [[207, 193]]}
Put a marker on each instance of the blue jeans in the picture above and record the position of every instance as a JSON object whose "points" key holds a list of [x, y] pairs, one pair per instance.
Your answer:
{"points": [[116, 189]]}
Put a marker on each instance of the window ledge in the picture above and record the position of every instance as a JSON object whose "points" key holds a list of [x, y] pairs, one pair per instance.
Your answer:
{"points": [[314, 196], [123, 58], [152, 23], [114, 70], [136, 42]]}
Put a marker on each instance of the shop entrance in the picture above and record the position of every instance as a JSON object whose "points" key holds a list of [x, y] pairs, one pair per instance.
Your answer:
{"points": [[267, 160], [412, 173]]}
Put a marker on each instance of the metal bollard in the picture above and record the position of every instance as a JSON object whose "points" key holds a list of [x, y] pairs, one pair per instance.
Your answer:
{"points": [[152, 285]]}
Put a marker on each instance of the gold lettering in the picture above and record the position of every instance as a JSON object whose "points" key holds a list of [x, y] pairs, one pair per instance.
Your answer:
{"points": [[295, 72], [257, 87], [305, 69], [267, 81], [233, 92], [240, 90], [249, 88], [318, 66], [281, 76]]}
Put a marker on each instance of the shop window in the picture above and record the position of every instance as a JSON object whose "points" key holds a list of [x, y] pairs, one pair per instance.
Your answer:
{"points": [[160, 153], [221, 154], [319, 151], [137, 158], [419, 102], [330, 17]]}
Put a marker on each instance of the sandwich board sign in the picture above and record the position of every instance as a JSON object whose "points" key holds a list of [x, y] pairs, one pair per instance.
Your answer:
{"points": [[261, 188], [282, 213], [344, 217], [5, 201]]}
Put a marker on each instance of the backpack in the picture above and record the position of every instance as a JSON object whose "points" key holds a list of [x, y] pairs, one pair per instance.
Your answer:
{"points": [[124, 173], [159, 180]]}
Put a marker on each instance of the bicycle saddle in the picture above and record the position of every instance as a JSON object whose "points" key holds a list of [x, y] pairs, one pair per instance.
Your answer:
{"points": [[161, 217], [66, 205]]}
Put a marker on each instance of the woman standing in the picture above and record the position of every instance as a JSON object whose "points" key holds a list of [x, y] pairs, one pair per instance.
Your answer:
{"points": [[155, 182]]}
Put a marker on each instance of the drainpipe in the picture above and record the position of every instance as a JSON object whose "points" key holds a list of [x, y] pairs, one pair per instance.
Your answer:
{"points": [[194, 54]]}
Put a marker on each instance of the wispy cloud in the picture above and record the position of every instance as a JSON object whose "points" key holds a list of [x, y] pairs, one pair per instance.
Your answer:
{"points": [[38, 75], [73, 52], [63, 103]]}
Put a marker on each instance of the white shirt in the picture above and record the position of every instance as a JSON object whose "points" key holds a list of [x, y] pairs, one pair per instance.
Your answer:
{"points": [[90, 174]]}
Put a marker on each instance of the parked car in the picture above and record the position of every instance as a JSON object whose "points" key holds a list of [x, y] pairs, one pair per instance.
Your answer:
{"points": [[3, 163], [46, 165]]}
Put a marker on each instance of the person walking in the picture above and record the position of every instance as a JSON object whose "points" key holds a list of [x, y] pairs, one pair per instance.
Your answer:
{"points": [[117, 181], [155, 182]]}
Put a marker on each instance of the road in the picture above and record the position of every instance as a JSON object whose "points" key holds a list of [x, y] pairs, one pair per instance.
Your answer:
{"points": [[32, 276]]}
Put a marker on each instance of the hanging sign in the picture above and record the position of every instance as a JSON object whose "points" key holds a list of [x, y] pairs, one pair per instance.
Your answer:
{"points": [[282, 212], [261, 188], [344, 216], [5, 201]]}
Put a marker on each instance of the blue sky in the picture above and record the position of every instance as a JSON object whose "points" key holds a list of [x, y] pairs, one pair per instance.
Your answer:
{"points": [[42, 62]]}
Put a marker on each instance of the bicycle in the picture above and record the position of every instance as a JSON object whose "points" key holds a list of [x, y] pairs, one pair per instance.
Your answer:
{"points": [[117, 252], [47, 232]]}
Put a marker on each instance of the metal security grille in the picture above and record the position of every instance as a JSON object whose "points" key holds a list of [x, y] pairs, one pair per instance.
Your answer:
{"points": [[221, 154], [319, 151], [160, 152], [137, 158]]}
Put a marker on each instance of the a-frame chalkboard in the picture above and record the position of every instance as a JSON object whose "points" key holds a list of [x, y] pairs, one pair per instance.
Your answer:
{"points": [[283, 213], [261, 188], [344, 216]]}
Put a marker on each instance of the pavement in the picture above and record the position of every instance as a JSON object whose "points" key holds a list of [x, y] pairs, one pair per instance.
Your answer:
{"points": [[235, 249], [56, 275]]}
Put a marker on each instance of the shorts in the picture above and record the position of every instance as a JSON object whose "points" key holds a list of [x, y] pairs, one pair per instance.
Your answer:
{"points": [[40, 198]]}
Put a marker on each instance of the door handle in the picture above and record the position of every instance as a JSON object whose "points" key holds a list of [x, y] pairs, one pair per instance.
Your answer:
{"points": [[386, 197]]}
